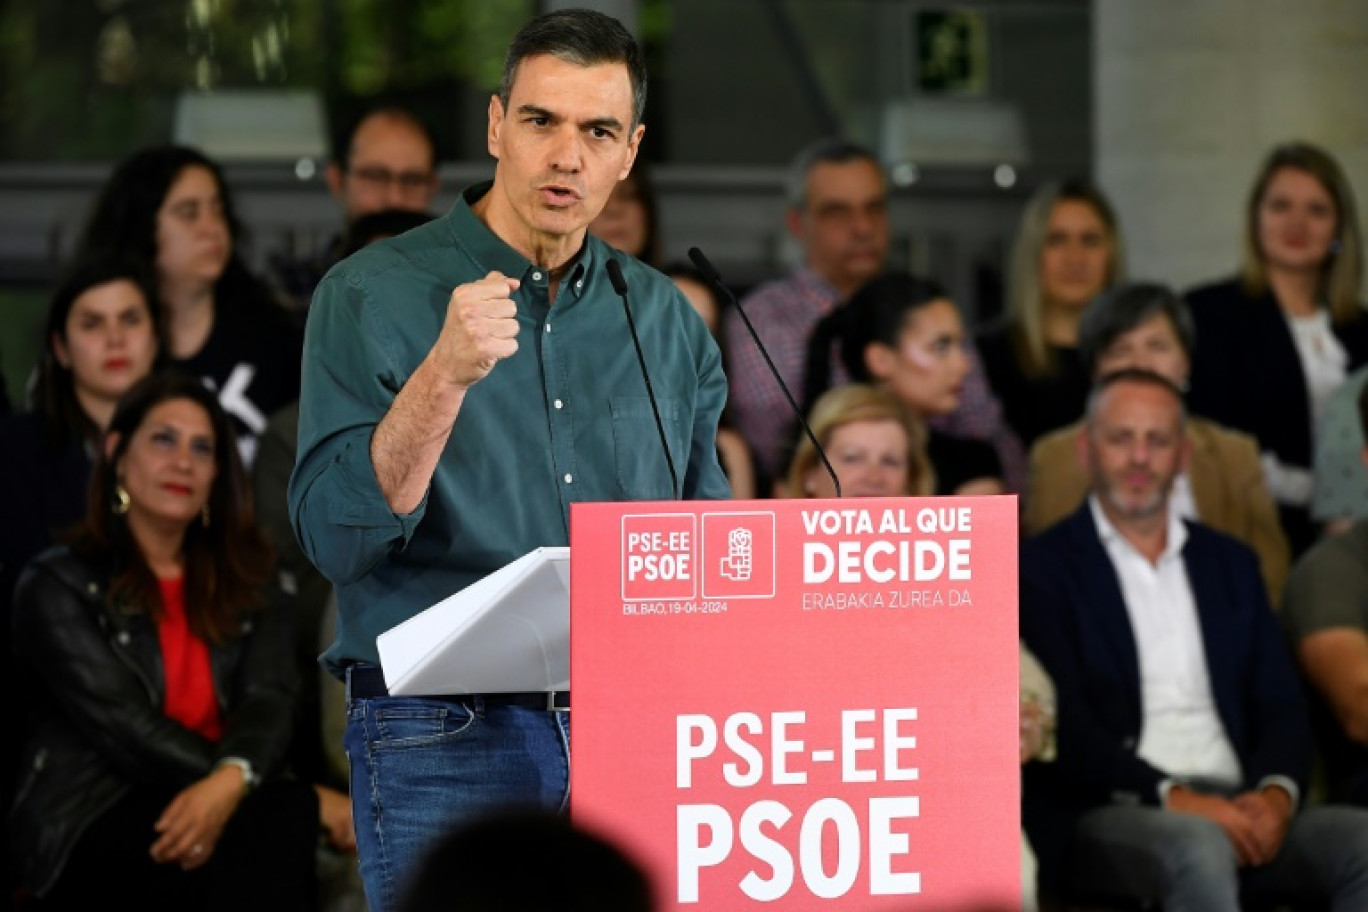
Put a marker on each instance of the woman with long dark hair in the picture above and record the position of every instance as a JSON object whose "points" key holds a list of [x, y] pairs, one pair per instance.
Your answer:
{"points": [[169, 209], [160, 694], [99, 338], [903, 333]]}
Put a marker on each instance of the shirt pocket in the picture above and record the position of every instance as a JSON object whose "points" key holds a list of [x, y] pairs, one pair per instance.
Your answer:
{"points": [[642, 472]]}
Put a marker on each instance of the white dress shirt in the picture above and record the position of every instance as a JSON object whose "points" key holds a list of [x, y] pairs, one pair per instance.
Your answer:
{"points": [[1181, 732]]}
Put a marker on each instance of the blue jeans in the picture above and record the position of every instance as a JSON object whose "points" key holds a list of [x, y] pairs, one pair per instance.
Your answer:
{"points": [[422, 766], [1185, 863]]}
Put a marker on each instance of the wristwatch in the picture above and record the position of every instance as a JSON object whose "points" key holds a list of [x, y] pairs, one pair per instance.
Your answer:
{"points": [[249, 776]]}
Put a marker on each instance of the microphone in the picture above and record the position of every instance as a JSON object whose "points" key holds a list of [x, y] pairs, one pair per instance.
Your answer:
{"points": [[715, 279], [620, 286]]}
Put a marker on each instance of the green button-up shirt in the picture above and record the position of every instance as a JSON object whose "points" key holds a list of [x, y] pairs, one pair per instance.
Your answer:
{"points": [[565, 419]]}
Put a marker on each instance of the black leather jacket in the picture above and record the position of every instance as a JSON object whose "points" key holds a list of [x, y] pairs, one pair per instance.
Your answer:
{"points": [[94, 689]]}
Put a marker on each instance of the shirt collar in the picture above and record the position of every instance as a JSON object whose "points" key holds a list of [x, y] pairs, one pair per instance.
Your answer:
{"points": [[491, 252], [1112, 538]]}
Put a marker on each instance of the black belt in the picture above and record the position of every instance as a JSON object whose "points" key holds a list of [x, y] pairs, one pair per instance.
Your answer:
{"points": [[367, 682]]}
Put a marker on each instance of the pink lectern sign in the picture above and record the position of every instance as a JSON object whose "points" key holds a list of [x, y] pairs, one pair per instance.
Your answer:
{"points": [[803, 704]]}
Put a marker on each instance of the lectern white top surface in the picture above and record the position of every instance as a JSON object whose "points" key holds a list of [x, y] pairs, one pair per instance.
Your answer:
{"points": [[506, 633]]}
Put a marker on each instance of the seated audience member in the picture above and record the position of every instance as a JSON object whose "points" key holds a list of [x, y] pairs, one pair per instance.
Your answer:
{"points": [[162, 691], [1280, 338], [838, 214], [482, 867], [875, 446], [99, 338], [168, 209], [1183, 743], [1037, 745], [733, 453], [629, 220], [904, 334], [1147, 326], [1326, 618], [1067, 251], [386, 161], [1340, 494]]}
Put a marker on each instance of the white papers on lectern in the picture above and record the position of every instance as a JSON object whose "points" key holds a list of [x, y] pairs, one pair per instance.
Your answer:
{"points": [[508, 632]]}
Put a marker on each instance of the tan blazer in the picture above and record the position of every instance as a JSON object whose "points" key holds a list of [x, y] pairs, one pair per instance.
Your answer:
{"points": [[1227, 485]]}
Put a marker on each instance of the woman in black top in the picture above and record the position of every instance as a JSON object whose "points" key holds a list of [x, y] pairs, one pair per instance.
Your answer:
{"points": [[1276, 341], [99, 338], [904, 334], [1067, 251], [169, 209]]}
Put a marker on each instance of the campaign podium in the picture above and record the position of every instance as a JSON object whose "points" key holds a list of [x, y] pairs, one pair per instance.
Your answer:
{"points": [[801, 704]]}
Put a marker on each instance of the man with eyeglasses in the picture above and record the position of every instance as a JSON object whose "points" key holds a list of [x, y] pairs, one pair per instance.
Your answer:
{"points": [[838, 215], [386, 163], [389, 162]]}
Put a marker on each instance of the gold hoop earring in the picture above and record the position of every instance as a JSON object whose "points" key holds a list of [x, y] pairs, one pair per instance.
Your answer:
{"points": [[121, 500], [204, 516]]}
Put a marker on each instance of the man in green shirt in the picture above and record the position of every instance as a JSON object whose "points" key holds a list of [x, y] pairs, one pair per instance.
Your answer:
{"points": [[463, 384]]}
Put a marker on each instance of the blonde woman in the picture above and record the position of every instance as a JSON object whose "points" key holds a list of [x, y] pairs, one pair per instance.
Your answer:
{"points": [[1276, 341], [1067, 251], [875, 445]]}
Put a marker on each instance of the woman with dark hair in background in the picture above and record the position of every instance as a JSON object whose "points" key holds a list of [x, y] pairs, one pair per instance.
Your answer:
{"points": [[905, 334], [629, 220], [1280, 338], [169, 209], [1067, 250], [99, 338], [161, 693]]}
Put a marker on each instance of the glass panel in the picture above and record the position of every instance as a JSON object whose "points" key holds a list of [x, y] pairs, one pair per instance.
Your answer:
{"points": [[89, 81]]}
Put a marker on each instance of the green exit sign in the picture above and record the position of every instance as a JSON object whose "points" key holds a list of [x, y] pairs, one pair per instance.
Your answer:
{"points": [[952, 52]]}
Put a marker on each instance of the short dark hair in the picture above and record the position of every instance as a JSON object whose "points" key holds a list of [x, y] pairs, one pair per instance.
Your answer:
{"points": [[830, 150], [1133, 375], [1122, 308], [582, 37], [485, 861], [376, 226], [342, 149]]}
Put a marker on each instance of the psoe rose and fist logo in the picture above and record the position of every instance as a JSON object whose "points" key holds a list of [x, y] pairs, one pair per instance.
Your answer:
{"points": [[738, 555]]}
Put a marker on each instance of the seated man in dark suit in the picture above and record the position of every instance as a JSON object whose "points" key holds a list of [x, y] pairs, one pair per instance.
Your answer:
{"points": [[1183, 744]]}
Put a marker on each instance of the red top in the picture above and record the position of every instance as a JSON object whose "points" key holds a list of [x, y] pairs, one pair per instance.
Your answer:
{"points": [[190, 696]]}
